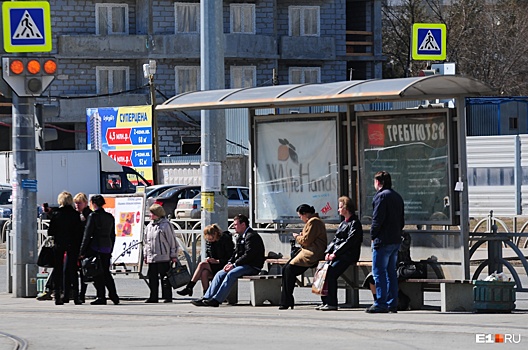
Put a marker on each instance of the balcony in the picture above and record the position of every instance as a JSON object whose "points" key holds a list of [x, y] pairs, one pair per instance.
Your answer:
{"points": [[307, 48], [359, 43]]}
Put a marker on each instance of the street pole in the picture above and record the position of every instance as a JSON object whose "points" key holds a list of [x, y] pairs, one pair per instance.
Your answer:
{"points": [[213, 127], [155, 140], [25, 198]]}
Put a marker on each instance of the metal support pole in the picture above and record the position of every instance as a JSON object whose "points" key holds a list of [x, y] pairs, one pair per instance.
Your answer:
{"points": [[25, 198], [155, 140], [213, 133]]}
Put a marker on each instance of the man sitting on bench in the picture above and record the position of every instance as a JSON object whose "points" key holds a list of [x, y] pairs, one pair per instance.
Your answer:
{"points": [[247, 259]]}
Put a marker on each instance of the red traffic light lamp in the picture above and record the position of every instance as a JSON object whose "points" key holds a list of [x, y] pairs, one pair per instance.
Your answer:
{"points": [[29, 76]]}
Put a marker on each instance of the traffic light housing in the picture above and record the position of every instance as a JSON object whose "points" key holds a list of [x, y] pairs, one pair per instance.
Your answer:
{"points": [[29, 76]]}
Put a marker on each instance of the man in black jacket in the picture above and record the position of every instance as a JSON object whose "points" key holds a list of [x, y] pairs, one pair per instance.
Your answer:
{"points": [[247, 259]]}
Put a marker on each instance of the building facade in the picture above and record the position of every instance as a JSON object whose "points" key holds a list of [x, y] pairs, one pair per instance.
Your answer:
{"points": [[101, 47]]}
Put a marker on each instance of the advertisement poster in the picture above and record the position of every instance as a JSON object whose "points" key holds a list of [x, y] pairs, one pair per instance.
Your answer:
{"points": [[296, 163], [125, 134], [128, 212], [414, 148]]}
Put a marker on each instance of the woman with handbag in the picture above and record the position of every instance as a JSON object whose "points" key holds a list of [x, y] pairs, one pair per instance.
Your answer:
{"points": [[342, 252], [99, 239], [219, 248], [159, 250], [65, 227], [312, 240]]}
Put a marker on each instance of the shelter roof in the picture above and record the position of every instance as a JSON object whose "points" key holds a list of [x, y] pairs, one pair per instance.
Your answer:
{"points": [[342, 92]]}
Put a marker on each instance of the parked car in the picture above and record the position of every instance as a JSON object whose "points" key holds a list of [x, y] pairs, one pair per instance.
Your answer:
{"points": [[169, 199], [237, 203], [151, 192]]}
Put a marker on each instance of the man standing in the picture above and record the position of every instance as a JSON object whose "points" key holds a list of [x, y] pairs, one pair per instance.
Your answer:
{"points": [[247, 259], [386, 232]]}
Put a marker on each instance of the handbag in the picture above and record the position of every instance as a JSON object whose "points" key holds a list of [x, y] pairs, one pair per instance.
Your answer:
{"points": [[46, 256], [178, 275], [91, 268], [412, 270], [320, 284]]}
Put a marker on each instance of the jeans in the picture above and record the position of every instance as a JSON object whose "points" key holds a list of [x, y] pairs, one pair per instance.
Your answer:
{"points": [[384, 260], [224, 281]]}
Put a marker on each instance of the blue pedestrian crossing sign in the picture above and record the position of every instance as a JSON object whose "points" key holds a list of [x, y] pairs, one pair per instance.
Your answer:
{"points": [[27, 26], [429, 41]]}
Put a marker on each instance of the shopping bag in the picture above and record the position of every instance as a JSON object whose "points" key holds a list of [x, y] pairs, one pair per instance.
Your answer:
{"points": [[320, 285], [46, 257], [178, 275], [91, 268]]}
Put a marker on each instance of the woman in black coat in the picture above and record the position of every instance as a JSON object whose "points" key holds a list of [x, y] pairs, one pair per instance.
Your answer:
{"points": [[219, 248], [65, 227]]}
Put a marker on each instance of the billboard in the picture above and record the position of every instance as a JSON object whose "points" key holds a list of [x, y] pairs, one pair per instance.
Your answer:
{"points": [[414, 146], [296, 163], [125, 134]]}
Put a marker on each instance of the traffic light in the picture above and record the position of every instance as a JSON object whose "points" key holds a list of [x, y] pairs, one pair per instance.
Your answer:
{"points": [[29, 76], [426, 72]]}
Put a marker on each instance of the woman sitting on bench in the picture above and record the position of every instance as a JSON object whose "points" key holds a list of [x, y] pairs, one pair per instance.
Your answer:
{"points": [[313, 242], [219, 248]]}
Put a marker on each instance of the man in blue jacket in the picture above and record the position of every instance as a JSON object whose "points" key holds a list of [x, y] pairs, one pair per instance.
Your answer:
{"points": [[386, 232], [247, 259]]}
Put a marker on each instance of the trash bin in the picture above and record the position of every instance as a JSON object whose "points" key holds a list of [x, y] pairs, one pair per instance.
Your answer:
{"points": [[41, 281], [493, 296]]}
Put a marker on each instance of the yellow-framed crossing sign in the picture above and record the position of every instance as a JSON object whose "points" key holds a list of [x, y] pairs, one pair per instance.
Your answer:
{"points": [[429, 41]]}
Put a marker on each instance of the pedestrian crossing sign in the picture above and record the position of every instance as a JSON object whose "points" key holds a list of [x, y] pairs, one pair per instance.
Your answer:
{"points": [[429, 41], [27, 26]]}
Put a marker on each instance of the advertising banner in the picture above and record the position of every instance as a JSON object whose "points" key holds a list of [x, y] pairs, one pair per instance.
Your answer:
{"points": [[414, 147], [128, 212], [125, 134], [296, 163]]}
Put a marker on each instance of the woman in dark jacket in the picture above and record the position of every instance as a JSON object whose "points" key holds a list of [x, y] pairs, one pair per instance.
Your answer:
{"points": [[343, 251], [99, 238], [65, 227], [82, 207], [219, 248]]}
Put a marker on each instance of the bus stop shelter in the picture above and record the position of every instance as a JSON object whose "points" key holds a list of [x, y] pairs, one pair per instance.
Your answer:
{"points": [[316, 157]]}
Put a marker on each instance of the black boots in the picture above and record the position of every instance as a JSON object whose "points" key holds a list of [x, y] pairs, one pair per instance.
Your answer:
{"points": [[188, 290]]}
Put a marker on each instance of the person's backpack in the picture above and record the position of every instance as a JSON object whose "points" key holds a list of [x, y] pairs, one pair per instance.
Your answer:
{"points": [[412, 269]]}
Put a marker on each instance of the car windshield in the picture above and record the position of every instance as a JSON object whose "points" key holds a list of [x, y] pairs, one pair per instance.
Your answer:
{"points": [[245, 193], [170, 192]]}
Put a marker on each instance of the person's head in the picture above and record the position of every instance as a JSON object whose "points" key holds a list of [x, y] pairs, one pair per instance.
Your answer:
{"points": [[305, 212], [382, 179], [156, 211], [64, 199], [346, 206], [81, 201], [212, 233], [241, 223], [98, 201]]}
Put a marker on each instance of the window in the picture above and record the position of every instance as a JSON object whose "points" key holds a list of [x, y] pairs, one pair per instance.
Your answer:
{"points": [[514, 125], [243, 76], [111, 19], [112, 79], [304, 75], [242, 17], [187, 78], [187, 17], [304, 20], [491, 176]]}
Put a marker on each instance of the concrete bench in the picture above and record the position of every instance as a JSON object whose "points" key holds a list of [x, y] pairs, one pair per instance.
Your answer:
{"points": [[261, 288], [455, 295]]}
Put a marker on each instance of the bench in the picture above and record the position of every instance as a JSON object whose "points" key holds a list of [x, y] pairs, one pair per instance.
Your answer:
{"points": [[455, 295], [261, 288]]}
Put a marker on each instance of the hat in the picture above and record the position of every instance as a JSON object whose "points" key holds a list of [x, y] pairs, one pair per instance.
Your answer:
{"points": [[157, 210]]}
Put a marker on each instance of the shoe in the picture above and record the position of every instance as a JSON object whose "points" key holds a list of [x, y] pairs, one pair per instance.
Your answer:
{"points": [[376, 310], [285, 307], [115, 300], [59, 302], [77, 301], [82, 299], [98, 301], [65, 301], [318, 307], [185, 291], [211, 302], [328, 308], [44, 296], [198, 302], [167, 301], [151, 301], [393, 310]]}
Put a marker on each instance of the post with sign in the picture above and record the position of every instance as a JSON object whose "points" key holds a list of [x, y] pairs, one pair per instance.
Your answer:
{"points": [[27, 29]]}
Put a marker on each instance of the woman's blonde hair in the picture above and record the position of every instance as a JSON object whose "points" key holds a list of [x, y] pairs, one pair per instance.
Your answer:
{"points": [[80, 197], [213, 230], [64, 199]]}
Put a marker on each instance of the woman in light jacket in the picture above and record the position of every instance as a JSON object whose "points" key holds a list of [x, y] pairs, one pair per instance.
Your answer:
{"points": [[312, 240], [159, 249]]}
